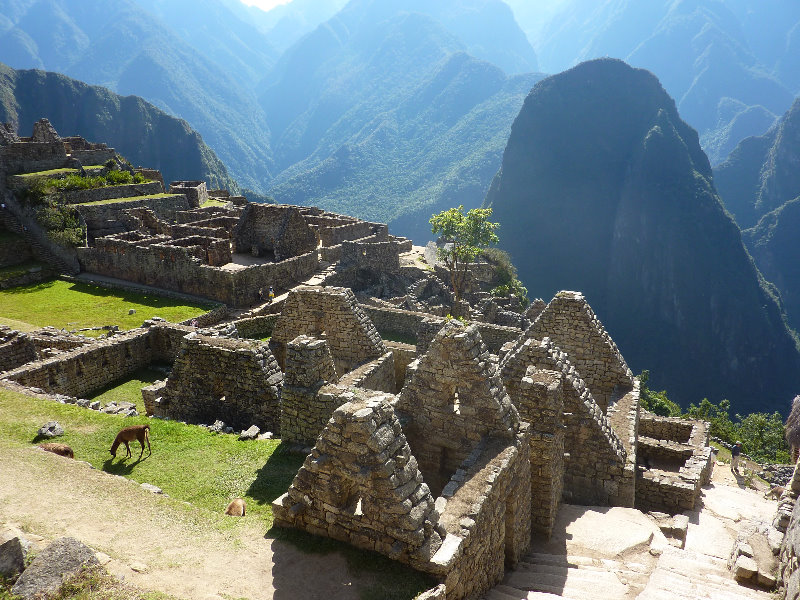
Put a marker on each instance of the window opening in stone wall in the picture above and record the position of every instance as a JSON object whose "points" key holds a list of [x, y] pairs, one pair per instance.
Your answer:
{"points": [[456, 403]]}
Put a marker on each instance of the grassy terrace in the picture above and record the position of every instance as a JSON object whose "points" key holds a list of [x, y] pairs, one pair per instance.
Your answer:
{"points": [[131, 199], [58, 172], [64, 304]]}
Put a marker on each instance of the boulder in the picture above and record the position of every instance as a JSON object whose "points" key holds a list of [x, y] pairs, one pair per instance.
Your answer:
{"points": [[12, 558], [60, 560], [250, 434], [51, 429]]}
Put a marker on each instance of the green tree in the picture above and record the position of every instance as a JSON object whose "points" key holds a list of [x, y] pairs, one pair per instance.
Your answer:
{"points": [[465, 235], [656, 402]]}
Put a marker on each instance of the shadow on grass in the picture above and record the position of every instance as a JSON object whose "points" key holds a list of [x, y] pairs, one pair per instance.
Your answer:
{"points": [[122, 467], [388, 579], [149, 300], [32, 288], [274, 478]]}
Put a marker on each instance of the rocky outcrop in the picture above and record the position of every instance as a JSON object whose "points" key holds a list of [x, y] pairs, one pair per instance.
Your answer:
{"points": [[605, 189]]}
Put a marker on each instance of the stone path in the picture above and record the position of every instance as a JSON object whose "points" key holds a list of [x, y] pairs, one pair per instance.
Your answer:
{"points": [[620, 554]]}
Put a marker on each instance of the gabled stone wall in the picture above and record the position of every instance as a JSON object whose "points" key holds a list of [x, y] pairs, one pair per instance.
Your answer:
{"points": [[596, 461], [455, 390], [570, 322], [333, 314]]}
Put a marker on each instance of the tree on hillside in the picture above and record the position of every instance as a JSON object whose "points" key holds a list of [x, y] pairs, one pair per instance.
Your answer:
{"points": [[465, 235]]}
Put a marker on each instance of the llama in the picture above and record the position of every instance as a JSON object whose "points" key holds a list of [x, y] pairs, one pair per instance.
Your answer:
{"points": [[128, 434], [236, 508], [56, 448]]}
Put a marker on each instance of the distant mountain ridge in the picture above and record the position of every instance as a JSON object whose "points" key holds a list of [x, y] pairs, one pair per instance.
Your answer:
{"points": [[391, 119], [138, 130], [121, 46], [722, 60], [604, 189], [760, 185]]}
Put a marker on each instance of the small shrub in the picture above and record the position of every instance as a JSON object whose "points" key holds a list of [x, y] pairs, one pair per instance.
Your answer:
{"points": [[119, 177]]}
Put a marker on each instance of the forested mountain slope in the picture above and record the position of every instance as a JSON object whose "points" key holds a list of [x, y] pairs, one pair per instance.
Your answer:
{"points": [[138, 130], [604, 189]]}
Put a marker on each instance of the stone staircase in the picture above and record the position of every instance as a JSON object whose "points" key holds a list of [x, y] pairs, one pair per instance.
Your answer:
{"points": [[541, 576], [678, 575], [686, 575]]}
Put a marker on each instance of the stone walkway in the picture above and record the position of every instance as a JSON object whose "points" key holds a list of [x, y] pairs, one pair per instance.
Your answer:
{"points": [[617, 553]]}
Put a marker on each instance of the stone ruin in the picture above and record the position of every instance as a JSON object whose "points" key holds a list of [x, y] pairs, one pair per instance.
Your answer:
{"points": [[444, 451]]}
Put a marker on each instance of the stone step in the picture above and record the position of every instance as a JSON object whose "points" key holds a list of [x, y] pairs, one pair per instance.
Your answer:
{"points": [[570, 584], [589, 572], [504, 592]]}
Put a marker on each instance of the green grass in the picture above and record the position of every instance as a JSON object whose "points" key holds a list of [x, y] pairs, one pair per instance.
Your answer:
{"points": [[131, 199], [64, 304], [215, 202], [50, 173], [130, 389], [188, 462], [206, 470]]}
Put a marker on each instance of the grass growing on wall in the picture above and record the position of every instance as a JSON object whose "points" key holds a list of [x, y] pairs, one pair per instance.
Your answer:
{"points": [[69, 305]]}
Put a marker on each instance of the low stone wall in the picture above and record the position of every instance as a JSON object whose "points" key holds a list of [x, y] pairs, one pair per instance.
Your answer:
{"points": [[679, 470], [98, 215], [112, 192], [180, 268], [85, 370], [377, 375], [256, 327], [16, 349], [665, 428], [212, 378], [333, 236], [396, 322], [93, 156]]}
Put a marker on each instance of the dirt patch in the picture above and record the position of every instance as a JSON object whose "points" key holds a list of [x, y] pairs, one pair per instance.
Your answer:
{"points": [[172, 546]]}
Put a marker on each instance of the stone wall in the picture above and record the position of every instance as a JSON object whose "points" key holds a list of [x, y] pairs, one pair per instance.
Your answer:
{"points": [[16, 349], [304, 410], [195, 191], [258, 327], [453, 397], [673, 466], [276, 230], [102, 219], [404, 355], [333, 236], [155, 262], [213, 378], [396, 322], [571, 323], [595, 461], [788, 571], [112, 192], [332, 314], [540, 401], [376, 375], [30, 157], [85, 370], [361, 485], [373, 256]]}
